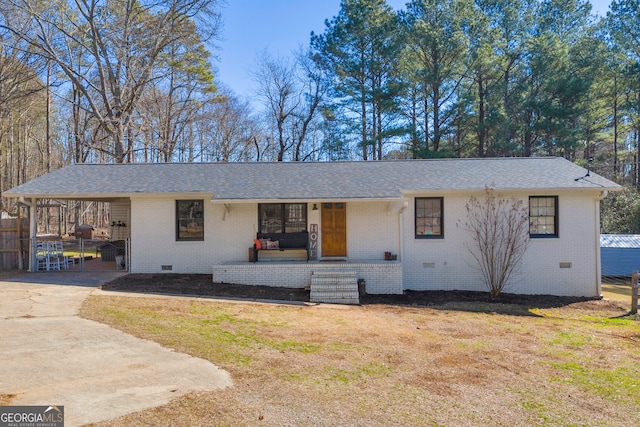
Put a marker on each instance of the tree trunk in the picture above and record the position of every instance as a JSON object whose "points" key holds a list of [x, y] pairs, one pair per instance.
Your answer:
{"points": [[414, 126], [363, 123], [426, 121], [118, 142], [48, 118], [436, 118], [481, 116], [379, 134], [374, 126]]}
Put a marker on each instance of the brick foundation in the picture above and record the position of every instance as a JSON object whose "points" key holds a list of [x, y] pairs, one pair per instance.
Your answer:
{"points": [[382, 277]]}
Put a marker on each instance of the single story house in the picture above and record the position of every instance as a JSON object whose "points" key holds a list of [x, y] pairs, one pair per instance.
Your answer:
{"points": [[620, 254], [392, 225]]}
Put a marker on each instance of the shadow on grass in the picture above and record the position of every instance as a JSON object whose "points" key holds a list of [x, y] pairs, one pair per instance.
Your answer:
{"points": [[618, 289]]}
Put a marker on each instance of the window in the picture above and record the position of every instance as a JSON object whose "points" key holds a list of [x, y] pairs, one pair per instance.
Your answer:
{"points": [[282, 217], [189, 219], [429, 215], [543, 216]]}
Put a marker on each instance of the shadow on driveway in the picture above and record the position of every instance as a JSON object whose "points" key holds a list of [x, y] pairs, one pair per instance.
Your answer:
{"points": [[73, 278]]}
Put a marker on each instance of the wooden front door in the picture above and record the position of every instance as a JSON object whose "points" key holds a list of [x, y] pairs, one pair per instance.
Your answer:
{"points": [[334, 229]]}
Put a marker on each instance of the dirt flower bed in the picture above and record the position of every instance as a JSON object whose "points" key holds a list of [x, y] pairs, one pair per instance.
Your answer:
{"points": [[201, 284], [454, 359]]}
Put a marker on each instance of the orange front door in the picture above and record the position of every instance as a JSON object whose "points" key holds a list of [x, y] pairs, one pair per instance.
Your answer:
{"points": [[334, 229]]}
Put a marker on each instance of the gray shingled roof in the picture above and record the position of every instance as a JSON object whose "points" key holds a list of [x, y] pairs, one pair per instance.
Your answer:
{"points": [[335, 180]]}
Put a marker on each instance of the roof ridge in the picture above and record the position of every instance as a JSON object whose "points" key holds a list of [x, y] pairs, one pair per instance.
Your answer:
{"points": [[369, 162]]}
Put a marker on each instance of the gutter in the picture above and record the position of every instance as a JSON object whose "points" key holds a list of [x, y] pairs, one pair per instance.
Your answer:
{"points": [[311, 199]]}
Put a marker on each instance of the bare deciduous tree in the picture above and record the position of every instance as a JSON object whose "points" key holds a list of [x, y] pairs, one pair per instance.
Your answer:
{"points": [[499, 230], [291, 91], [109, 51], [226, 131]]}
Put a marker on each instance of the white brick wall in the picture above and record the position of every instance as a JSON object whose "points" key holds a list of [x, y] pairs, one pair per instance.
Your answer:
{"points": [[370, 232], [381, 277], [372, 229], [153, 240], [446, 264]]}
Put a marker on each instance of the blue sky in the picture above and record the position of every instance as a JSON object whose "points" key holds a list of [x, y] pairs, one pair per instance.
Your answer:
{"points": [[251, 26]]}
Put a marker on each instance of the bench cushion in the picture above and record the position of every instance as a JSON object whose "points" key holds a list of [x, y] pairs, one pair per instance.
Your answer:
{"points": [[298, 240]]}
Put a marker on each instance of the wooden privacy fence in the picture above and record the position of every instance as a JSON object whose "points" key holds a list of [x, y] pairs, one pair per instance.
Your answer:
{"points": [[635, 291], [14, 242]]}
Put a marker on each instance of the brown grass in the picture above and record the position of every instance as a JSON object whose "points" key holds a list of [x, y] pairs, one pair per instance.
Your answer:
{"points": [[388, 365]]}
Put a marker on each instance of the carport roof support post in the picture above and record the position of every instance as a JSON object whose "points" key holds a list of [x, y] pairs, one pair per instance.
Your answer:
{"points": [[33, 231]]}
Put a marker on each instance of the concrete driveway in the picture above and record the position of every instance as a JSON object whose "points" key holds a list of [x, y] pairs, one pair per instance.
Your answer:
{"points": [[49, 356]]}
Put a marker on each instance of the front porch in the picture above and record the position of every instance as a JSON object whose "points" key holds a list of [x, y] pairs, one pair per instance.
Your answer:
{"points": [[381, 277]]}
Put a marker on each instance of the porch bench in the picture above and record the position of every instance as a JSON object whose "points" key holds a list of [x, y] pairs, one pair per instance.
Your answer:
{"points": [[292, 246]]}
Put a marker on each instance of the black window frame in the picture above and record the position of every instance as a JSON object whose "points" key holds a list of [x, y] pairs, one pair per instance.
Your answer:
{"points": [[555, 216], [198, 219], [441, 217], [283, 217]]}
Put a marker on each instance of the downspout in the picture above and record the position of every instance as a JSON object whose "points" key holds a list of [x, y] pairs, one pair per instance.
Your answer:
{"points": [[405, 204], [401, 228], [602, 195]]}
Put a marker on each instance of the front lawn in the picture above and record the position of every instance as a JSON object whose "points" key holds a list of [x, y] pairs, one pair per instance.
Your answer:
{"points": [[458, 363]]}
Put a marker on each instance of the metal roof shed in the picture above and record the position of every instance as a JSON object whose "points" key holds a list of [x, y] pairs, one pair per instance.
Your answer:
{"points": [[619, 254]]}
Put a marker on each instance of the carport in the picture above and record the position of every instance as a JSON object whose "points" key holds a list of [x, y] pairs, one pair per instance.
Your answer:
{"points": [[94, 253]]}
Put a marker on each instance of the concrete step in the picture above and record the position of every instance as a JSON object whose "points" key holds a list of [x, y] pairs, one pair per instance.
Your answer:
{"points": [[334, 273], [344, 301], [334, 287]]}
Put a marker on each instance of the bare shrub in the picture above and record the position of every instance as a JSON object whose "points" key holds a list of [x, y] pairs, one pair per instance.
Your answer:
{"points": [[499, 229]]}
